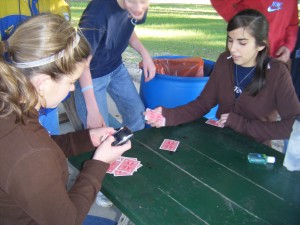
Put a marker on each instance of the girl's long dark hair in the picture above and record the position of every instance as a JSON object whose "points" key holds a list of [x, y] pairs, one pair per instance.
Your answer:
{"points": [[257, 25]]}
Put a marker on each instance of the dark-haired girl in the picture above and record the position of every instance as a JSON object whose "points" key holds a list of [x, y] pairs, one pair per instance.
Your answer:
{"points": [[250, 88]]}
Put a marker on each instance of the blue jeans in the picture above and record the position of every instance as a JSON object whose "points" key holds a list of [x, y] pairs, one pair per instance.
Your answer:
{"points": [[119, 86], [49, 120], [94, 220]]}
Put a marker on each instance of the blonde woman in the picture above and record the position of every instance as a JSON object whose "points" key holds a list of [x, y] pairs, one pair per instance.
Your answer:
{"points": [[14, 12], [45, 58]]}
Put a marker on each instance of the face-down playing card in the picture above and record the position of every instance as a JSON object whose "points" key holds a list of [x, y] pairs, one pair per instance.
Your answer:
{"points": [[124, 166], [169, 145]]}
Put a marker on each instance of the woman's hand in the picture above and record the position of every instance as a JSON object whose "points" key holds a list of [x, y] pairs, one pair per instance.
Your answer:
{"points": [[108, 153], [155, 118], [97, 134], [223, 119]]}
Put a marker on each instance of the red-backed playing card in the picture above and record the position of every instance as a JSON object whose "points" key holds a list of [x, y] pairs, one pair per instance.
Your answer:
{"points": [[124, 166], [215, 123], [119, 173], [169, 145], [155, 117], [113, 166], [139, 166], [128, 165]]}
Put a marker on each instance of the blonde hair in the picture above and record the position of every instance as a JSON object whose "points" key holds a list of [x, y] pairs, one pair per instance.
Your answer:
{"points": [[43, 36], [17, 94], [40, 37]]}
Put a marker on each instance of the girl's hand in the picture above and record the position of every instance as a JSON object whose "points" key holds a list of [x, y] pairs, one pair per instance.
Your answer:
{"points": [[223, 119], [99, 134], [155, 118], [108, 153]]}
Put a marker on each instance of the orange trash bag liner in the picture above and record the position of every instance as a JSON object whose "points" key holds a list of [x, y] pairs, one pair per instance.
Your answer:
{"points": [[185, 67]]}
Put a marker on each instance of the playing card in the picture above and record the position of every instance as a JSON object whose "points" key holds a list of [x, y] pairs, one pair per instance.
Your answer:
{"points": [[155, 117], [124, 157], [113, 166], [128, 165], [214, 123], [124, 166], [119, 173], [139, 166], [169, 145]]}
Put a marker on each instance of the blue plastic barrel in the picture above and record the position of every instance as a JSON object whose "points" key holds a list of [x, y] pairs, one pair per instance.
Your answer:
{"points": [[172, 91]]}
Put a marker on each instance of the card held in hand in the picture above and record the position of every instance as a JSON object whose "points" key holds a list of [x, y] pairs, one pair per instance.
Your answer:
{"points": [[215, 123], [155, 116]]}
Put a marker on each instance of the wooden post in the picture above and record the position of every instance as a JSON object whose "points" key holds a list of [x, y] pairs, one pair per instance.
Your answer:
{"points": [[70, 108]]}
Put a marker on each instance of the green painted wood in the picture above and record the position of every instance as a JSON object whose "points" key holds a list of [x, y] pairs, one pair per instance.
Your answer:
{"points": [[208, 180]]}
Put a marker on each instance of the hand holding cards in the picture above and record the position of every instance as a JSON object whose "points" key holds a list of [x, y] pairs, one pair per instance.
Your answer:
{"points": [[155, 118]]}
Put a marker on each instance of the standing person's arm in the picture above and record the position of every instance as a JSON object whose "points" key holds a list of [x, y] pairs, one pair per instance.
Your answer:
{"points": [[93, 29], [148, 65], [227, 8], [290, 38], [94, 117]]}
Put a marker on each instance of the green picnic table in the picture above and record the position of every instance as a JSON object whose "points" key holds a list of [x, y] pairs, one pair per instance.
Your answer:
{"points": [[208, 180]]}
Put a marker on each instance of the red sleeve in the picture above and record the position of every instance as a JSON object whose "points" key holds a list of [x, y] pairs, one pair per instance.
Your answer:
{"points": [[292, 30]]}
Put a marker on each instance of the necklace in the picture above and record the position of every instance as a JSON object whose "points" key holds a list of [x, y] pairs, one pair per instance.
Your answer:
{"points": [[133, 21], [237, 88]]}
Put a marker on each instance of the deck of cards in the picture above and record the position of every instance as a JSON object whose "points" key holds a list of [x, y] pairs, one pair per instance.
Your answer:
{"points": [[124, 166], [169, 145], [155, 116]]}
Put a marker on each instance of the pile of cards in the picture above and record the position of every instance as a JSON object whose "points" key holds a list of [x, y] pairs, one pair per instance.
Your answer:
{"points": [[169, 145], [124, 166], [155, 116]]}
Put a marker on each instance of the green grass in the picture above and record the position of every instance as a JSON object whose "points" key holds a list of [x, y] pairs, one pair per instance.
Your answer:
{"points": [[177, 29]]}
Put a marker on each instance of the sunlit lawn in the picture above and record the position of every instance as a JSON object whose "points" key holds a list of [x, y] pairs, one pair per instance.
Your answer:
{"points": [[178, 29]]}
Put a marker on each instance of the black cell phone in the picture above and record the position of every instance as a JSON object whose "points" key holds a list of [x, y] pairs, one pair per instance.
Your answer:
{"points": [[121, 136]]}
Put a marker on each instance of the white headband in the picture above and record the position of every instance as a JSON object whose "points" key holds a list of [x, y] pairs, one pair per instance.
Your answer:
{"points": [[47, 60]]}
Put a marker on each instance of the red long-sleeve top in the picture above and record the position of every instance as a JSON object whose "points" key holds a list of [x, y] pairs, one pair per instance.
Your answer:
{"points": [[282, 16]]}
